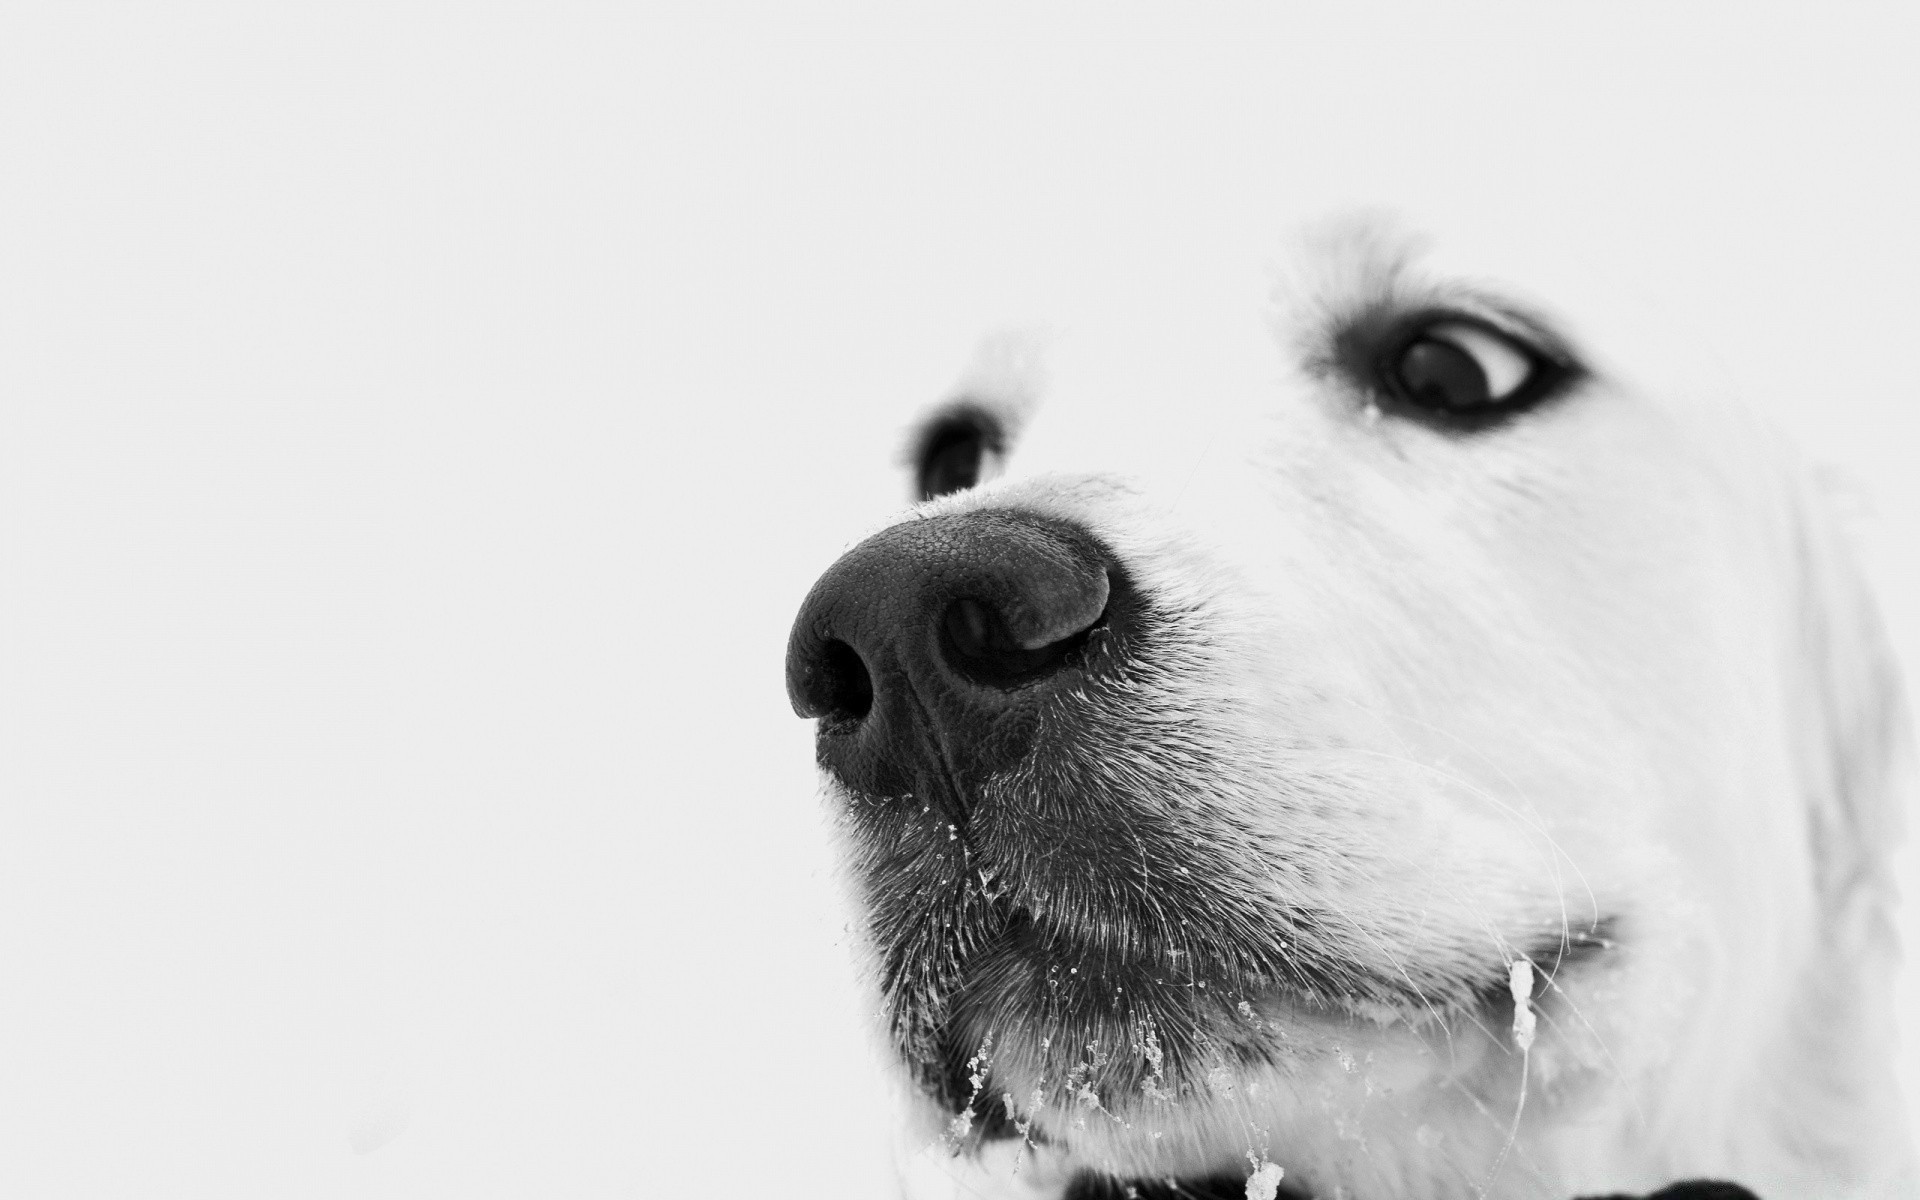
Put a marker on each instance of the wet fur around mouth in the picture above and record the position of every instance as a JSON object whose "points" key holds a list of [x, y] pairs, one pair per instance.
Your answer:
{"points": [[1131, 950]]}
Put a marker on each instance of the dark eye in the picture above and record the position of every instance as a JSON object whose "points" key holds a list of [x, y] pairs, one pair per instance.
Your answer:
{"points": [[1464, 367], [956, 453]]}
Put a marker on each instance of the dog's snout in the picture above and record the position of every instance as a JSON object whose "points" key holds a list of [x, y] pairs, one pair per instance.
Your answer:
{"points": [[925, 646]]}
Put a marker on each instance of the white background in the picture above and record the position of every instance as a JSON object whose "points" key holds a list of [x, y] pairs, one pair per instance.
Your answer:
{"points": [[417, 428]]}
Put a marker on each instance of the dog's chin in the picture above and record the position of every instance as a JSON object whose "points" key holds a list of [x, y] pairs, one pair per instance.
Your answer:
{"points": [[1151, 1067]]}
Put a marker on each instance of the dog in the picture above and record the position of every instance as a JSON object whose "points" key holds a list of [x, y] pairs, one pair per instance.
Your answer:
{"points": [[1378, 748]]}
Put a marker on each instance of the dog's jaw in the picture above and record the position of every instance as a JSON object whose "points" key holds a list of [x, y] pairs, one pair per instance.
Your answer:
{"points": [[1171, 1054], [1348, 1107]]}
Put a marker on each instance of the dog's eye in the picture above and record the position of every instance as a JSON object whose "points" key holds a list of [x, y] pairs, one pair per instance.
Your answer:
{"points": [[956, 453], [1461, 367]]}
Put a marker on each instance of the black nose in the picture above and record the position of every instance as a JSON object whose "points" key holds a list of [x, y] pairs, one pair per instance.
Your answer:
{"points": [[929, 647]]}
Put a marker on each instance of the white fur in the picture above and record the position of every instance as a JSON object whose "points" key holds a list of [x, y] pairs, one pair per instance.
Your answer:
{"points": [[1458, 691]]}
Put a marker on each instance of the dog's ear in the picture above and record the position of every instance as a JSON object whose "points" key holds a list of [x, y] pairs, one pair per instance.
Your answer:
{"points": [[1855, 752], [1853, 755]]}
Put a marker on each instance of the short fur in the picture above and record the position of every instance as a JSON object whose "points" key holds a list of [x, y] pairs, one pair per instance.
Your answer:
{"points": [[1594, 687]]}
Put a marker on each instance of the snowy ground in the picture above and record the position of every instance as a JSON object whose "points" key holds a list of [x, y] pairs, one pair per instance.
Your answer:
{"points": [[416, 430]]}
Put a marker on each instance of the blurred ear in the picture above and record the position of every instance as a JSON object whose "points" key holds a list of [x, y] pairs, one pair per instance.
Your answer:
{"points": [[1853, 753], [1855, 739]]}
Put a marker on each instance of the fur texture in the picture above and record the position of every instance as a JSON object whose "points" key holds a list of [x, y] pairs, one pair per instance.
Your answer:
{"points": [[1576, 720]]}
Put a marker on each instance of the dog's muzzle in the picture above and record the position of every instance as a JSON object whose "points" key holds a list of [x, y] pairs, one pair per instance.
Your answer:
{"points": [[929, 651]]}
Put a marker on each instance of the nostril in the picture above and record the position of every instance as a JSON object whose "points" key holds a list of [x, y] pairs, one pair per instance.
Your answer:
{"points": [[980, 646], [976, 631], [844, 688]]}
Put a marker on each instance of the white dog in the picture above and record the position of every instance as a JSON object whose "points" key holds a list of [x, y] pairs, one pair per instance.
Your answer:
{"points": [[1401, 759]]}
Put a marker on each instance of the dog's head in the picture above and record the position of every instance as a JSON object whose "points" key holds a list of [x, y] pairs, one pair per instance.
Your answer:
{"points": [[1403, 751]]}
